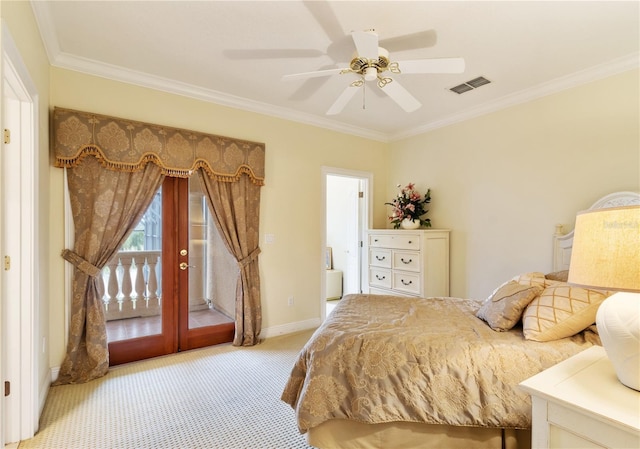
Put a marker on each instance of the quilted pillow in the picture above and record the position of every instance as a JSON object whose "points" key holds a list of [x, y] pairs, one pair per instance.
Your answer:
{"points": [[503, 309], [535, 278], [560, 311]]}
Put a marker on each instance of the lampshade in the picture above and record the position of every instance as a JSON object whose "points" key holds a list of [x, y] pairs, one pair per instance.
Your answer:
{"points": [[606, 255], [606, 249]]}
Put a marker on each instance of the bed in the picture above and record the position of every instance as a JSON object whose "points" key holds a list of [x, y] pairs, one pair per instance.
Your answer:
{"points": [[407, 372]]}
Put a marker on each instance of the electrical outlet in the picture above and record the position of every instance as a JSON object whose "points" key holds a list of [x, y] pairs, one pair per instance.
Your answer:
{"points": [[290, 301]]}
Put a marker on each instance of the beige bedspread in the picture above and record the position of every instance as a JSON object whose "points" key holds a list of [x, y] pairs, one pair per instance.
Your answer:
{"points": [[384, 358]]}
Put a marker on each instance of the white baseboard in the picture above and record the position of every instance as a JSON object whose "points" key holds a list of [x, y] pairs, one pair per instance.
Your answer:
{"points": [[290, 328]]}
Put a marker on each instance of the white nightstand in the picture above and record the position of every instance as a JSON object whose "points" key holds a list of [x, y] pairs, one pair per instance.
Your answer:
{"points": [[579, 403]]}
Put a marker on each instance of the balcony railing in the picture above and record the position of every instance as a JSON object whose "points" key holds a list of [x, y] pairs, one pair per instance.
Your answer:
{"points": [[133, 283]]}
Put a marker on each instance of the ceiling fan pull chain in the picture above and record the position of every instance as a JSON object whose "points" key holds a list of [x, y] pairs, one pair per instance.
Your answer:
{"points": [[364, 94]]}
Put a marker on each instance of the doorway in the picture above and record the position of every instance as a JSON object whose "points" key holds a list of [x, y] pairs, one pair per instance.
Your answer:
{"points": [[162, 294], [347, 213], [20, 326]]}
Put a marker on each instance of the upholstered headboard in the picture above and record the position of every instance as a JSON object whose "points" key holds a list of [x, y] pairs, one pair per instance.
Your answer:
{"points": [[562, 243]]}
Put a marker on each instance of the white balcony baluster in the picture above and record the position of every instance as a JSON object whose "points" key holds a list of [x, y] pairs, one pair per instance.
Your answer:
{"points": [[127, 284]]}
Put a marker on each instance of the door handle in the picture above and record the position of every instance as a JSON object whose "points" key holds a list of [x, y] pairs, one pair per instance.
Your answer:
{"points": [[185, 265]]}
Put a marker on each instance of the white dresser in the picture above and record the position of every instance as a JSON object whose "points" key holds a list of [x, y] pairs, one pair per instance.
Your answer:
{"points": [[579, 403], [409, 263]]}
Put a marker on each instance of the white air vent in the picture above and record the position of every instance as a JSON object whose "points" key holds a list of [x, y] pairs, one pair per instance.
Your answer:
{"points": [[470, 85]]}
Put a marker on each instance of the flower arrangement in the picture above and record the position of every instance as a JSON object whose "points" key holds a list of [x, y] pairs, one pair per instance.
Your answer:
{"points": [[409, 204]]}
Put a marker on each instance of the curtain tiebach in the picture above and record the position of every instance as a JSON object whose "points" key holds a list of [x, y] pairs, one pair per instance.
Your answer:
{"points": [[80, 263], [250, 258]]}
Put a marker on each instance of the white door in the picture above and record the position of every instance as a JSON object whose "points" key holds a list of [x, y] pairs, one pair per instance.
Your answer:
{"points": [[18, 282], [346, 218], [343, 221], [11, 262]]}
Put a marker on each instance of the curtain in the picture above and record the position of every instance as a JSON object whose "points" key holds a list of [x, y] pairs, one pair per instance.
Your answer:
{"points": [[106, 206], [236, 211], [115, 167]]}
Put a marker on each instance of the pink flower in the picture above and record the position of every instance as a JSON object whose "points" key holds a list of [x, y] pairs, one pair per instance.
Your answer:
{"points": [[409, 204]]}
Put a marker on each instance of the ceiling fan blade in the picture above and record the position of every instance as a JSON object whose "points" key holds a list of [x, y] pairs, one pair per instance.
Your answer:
{"points": [[366, 44], [310, 86], [413, 41], [315, 74], [272, 53], [437, 65], [401, 96], [343, 99], [326, 18]]}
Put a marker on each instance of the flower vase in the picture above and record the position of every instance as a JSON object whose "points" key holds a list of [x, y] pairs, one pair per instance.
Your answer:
{"points": [[408, 223]]}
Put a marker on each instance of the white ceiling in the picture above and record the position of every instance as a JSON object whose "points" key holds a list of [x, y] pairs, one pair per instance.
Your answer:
{"points": [[235, 52]]}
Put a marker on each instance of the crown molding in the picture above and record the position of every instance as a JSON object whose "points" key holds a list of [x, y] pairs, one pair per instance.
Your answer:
{"points": [[59, 59], [116, 73], [142, 79], [589, 75]]}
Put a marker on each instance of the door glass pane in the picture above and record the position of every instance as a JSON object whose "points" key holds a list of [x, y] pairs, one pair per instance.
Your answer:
{"points": [[212, 269], [132, 280]]}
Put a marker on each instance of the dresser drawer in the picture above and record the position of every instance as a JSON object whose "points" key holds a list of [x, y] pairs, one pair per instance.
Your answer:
{"points": [[380, 257], [406, 260], [406, 282], [379, 277], [396, 241]]}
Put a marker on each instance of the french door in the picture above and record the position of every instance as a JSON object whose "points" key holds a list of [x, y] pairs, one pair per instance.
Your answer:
{"points": [[160, 290]]}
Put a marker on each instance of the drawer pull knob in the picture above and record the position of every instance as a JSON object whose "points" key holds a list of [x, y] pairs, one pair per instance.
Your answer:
{"points": [[407, 262], [381, 258], [410, 242], [405, 283], [380, 278]]}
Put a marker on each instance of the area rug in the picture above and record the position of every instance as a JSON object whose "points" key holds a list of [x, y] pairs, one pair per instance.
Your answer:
{"points": [[216, 397]]}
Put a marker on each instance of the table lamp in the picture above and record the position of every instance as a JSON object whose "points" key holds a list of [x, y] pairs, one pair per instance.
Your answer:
{"points": [[606, 256]]}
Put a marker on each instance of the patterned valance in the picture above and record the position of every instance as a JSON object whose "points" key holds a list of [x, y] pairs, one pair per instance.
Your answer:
{"points": [[126, 145]]}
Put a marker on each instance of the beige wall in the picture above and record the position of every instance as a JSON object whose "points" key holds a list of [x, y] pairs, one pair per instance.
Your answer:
{"points": [[502, 181], [291, 199]]}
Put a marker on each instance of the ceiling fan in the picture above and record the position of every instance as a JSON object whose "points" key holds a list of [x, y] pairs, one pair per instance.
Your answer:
{"points": [[371, 63]]}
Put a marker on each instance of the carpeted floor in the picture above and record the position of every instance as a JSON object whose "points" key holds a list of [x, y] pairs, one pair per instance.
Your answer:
{"points": [[217, 397]]}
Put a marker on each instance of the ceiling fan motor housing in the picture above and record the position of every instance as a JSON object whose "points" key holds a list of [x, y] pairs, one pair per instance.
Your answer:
{"points": [[359, 64]]}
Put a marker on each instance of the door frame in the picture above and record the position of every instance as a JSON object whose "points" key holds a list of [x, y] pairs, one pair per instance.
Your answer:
{"points": [[21, 361], [365, 218], [175, 332]]}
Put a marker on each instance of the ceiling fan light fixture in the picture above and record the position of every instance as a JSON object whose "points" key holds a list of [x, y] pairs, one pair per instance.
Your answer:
{"points": [[370, 73]]}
